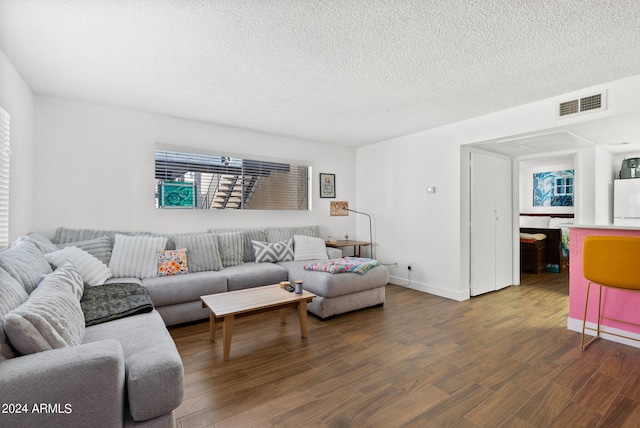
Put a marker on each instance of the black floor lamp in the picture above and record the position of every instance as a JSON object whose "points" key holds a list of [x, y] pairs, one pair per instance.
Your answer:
{"points": [[370, 230]]}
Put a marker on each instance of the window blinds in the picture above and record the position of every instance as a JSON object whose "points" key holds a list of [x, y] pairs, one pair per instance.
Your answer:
{"points": [[229, 182], [4, 177]]}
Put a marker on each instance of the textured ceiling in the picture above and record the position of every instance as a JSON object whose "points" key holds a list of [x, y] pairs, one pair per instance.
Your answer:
{"points": [[350, 72]]}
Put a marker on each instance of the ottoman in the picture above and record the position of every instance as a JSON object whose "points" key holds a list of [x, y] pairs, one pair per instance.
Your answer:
{"points": [[339, 293]]}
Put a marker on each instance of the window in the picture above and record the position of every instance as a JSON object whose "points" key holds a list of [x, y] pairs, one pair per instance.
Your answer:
{"points": [[564, 186], [200, 180], [4, 178]]}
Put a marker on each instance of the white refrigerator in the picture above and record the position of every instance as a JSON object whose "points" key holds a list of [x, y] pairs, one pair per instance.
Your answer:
{"points": [[626, 202]]}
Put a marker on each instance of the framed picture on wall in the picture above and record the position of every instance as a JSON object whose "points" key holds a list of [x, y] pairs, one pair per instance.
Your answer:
{"points": [[553, 188], [177, 195], [327, 185]]}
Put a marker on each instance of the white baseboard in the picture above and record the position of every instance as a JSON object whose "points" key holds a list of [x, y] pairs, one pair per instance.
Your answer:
{"points": [[576, 325], [431, 289]]}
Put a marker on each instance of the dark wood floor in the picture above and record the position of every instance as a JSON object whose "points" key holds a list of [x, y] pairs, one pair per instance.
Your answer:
{"points": [[504, 359]]}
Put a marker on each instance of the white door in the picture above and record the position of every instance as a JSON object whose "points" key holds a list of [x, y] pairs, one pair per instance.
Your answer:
{"points": [[491, 231]]}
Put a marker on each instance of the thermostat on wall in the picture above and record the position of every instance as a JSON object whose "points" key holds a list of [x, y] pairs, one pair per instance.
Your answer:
{"points": [[431, 189]]}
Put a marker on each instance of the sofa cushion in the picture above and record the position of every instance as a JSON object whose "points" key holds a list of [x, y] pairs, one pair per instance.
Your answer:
{"points": [[202, 250], [92, 270], [170, 290], [155, 377], [250, 275], [26, 263], [136, 256], [12, 295], [100, 248], [41, 242], [73, 236], [270, 252], [51, 318], [124, 281], [278, 234], [65, 235], [173, 262], [309, 248], [231, 247]]}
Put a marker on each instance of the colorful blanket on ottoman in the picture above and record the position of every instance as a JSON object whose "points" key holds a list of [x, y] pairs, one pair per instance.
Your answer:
{"points": [[346, 264]]}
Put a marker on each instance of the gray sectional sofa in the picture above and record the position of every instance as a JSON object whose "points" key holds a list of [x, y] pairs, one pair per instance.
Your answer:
{"points": [[135, 371], [177, 298], [54, 371]]}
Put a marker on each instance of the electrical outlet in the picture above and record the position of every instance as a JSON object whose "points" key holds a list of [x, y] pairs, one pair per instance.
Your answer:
{"points": [[409, 267]]}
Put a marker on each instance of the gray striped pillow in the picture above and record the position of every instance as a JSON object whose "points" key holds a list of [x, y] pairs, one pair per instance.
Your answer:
{"points": [[65, 235], [279, 234], [136, 256], [231, 247], [202, 250], [25, 263], [100, 248], [250, 234]]}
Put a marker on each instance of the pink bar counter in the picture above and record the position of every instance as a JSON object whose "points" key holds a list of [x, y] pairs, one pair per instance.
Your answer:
{"points": [[624, 305]]}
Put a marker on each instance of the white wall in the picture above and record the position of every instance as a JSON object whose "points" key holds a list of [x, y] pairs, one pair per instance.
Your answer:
{"points": [[17, 98], [95, 169], [603, 195], [431, 232]]}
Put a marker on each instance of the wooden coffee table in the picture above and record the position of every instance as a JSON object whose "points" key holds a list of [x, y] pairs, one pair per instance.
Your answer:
{"points": [[253, 301]]}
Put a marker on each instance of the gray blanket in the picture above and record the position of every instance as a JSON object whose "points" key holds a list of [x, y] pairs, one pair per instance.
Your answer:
{"points": [[112, 301]]}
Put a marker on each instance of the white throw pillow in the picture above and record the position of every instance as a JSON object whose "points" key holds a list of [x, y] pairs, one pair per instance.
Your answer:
{"points": [[309, 248], [136, 256], [93, 271]]}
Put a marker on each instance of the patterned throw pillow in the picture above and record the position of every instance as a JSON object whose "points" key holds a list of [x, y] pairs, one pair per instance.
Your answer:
{"points": [[172, 262], [271, 252]]}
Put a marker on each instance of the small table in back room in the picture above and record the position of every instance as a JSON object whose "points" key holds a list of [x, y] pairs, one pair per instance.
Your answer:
{"points": [[357, 245]]}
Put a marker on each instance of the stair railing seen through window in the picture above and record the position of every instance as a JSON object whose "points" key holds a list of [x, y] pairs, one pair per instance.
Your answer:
{"points": [[194, 179]]}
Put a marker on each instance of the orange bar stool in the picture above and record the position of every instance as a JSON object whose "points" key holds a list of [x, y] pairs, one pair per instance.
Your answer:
{"points": [[614, 262]]}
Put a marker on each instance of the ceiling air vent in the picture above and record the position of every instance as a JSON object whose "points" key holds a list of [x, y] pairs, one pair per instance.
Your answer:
{"points": [[582, 105]]}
